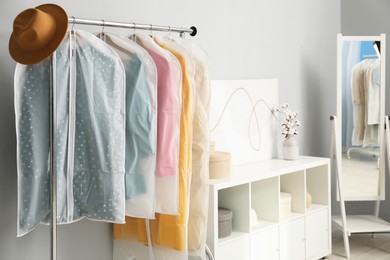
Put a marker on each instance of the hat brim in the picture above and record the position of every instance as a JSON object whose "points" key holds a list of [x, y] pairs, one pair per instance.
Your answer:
{"points": [[28, 57]]}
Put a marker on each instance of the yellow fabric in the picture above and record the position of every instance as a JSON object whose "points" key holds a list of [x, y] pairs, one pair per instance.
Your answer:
{"points": [[133, 227], [170, 230]]}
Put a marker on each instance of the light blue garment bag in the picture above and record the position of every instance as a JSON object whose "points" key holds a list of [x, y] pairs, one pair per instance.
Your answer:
{"points": [[90, 134], [141, 125]]}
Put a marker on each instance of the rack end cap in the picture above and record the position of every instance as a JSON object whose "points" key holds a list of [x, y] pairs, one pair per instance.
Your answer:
{"points": [[194, 31]]}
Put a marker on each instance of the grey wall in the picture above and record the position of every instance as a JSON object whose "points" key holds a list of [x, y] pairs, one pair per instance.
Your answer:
{"points": [[294, 41], [362, 17]]}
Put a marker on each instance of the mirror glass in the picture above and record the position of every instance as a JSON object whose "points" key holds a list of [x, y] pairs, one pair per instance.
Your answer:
{"points": [[361, 101]]}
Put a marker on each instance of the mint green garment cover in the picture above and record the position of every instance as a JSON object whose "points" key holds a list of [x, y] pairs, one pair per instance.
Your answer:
{"points": [[141, 125], [89, 133]]}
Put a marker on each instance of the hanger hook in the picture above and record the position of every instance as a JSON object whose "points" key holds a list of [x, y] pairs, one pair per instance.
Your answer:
{"points": [[151, 29], [103, 24], [73, 22], [169, 31], [133, 37]]}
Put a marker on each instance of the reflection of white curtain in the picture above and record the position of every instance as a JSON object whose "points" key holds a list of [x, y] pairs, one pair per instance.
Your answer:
{"points": [[351, 56]]}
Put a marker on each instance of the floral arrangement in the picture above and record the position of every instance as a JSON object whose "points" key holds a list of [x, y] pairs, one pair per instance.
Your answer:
{"points": [[291, 121]]}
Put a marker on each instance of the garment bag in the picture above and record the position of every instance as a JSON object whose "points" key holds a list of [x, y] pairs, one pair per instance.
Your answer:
{"points": [[168, 124], [351, 56], [32, 117], [141, 125], [357, 94], [372, 103], [171, 231], [199, 189], [130, 239], [365, 81], [166, 236], [89, 134]]}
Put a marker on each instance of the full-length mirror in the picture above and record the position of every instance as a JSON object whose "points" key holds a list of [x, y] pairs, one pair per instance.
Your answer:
{"points": [[360, 110]]}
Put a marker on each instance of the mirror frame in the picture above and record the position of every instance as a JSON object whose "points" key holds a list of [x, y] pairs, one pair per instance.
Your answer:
{"points": [[340, 41]]}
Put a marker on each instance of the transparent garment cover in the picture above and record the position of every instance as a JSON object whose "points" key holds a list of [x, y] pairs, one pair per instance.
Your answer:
{"points": [[199, 190], [167, 233], [351, 57], [371, 88], [89, 133], [141, 125], [172, 230], [169, 103]]}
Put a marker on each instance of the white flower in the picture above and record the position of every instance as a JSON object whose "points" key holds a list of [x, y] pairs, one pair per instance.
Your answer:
{"points": [[291, 121], [285, 105]]}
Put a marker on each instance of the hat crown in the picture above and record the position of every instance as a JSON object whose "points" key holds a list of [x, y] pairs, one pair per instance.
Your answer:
{"points": [[33, 29]]}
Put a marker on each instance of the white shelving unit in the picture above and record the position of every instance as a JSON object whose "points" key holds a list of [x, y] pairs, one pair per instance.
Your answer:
{"points": [[305, 234]]}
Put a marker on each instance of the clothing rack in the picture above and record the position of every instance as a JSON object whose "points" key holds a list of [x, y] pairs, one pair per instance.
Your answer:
{"points": [[192, 30], [53, 190]]}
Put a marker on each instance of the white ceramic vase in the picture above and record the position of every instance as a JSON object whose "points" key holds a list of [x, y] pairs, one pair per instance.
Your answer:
{"points": [[290, 148]]}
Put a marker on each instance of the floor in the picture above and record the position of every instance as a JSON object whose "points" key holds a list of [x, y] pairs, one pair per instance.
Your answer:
{"points": [[362, 247]]}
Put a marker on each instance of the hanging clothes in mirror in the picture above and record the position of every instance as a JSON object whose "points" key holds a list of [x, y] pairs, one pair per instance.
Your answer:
{"points": [[366, 106]]}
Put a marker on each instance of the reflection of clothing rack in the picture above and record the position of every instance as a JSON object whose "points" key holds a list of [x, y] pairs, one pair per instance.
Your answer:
{"points": [[370, 56], [377, 48], [374, 151]]}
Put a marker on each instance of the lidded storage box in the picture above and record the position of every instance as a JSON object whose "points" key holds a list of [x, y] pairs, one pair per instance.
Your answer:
{"points": [[219, 165], [225, 217], [285, 204]]}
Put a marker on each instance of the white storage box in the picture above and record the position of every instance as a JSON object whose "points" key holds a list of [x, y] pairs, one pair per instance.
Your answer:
{"points": [[285, 205]]}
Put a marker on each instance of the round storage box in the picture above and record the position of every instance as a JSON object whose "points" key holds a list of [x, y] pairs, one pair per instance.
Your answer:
{"points": [[219, 165], [285, 204], [225, 217]]}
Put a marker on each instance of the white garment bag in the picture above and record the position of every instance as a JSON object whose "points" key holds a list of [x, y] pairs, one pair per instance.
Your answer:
{"points": [[168, 127], [141, 125], [199, 189]]}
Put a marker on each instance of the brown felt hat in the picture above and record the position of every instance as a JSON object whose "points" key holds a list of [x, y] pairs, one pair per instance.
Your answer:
{"points": [[37, 33]]}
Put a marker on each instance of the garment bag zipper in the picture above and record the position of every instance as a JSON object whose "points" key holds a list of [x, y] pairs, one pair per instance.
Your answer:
{"points": [[71, 125]]}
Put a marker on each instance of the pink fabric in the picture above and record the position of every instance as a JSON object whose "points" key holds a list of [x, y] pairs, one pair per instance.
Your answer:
{"points": [[168, 112]]}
